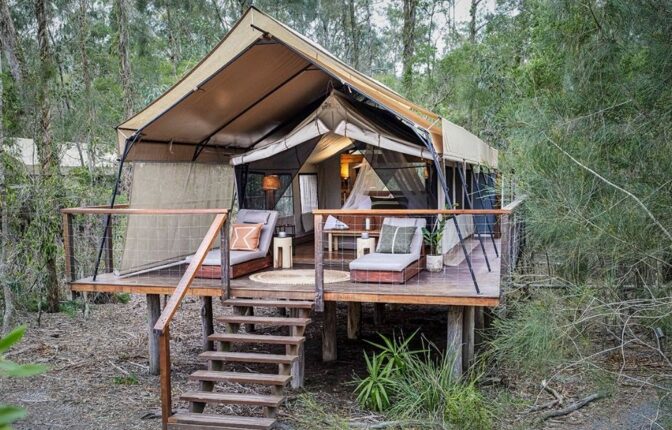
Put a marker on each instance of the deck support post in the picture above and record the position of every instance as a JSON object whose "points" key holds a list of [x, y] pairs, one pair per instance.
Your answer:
{"points": [[298, 367], [468, 336], [329, 332], [354, 320], [479, 326], [454, 338], [207, 326], [153, 311], [378, 314]]}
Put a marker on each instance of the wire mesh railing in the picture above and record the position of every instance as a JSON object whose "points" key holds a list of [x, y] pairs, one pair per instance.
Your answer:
{"points": [[441, 252]]}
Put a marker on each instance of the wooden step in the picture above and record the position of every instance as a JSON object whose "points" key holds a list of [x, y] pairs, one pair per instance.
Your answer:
{"points": [[248, 357], [233, 398], [264, 303], [256, 338], [268, 321], [240, 378], [222, 421]]}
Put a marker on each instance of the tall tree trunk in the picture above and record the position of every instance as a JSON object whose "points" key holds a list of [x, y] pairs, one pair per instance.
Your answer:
{"points": [[7, 293], [473, 12], [10, 42], [124, 57], [48, 158], [354, 39], [408, 42], [83, 38]]}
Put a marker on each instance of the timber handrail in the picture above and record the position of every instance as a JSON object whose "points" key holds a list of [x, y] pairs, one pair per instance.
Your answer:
{"points": [[409, 212], [190, 273], [124, 210]]}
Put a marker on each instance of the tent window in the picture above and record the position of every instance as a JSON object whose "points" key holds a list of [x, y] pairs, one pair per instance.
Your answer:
{"points": [[308, 190], [285, 204], [254, 195]]}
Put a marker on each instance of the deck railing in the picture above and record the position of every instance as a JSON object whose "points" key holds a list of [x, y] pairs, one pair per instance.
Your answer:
{"points": [[489, 249], [99, 238]]}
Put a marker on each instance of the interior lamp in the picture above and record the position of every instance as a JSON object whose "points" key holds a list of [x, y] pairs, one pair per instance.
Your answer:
{"points": [[345, 171], [270, 183]]}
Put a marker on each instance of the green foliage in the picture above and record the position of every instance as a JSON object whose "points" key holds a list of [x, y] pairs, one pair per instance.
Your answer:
{"points": [[122, 298], [8, 413], [372, 391], [434, 236], [130, 379], [534, 336], [418, 387]]}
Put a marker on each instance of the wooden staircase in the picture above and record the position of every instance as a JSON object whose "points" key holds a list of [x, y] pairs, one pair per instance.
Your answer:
{"points": [[269, 399]]}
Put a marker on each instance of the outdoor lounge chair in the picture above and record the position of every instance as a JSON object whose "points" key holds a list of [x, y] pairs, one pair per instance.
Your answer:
{"points": [[244, 262], [379, 267]]}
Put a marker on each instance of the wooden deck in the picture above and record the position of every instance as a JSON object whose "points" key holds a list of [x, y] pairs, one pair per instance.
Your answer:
{"points": [[453, 286]]}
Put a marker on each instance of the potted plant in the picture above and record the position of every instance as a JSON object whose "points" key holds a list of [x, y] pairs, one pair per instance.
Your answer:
{"points": [[433, 239]]}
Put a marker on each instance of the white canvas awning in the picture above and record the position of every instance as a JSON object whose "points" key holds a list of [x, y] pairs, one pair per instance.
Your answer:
{"points": [[335, 116], [461, 145]]}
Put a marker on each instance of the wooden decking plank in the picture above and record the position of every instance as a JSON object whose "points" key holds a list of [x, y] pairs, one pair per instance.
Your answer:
{"points": [[292, 304], [251, 423], [257, 338], [269, 321], [233, 398], [248, 357], [241, 378]]}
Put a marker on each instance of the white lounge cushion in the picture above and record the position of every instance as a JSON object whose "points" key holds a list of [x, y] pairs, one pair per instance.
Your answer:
{"points": [[383, 262], [250, 216]]}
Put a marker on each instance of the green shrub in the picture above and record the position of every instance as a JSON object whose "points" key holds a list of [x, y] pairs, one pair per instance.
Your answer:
{"points": [[534, 336], [126, 380], [9, 413], [122, 298], [418, 387]]}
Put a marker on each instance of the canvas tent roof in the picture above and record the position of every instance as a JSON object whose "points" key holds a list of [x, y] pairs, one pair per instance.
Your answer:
{"points": [[253, 84]]}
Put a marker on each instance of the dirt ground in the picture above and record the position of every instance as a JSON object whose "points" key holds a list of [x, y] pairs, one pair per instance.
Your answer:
{"points": [[98, 375]]}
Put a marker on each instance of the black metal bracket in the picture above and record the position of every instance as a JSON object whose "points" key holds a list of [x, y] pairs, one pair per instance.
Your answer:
{"points": [[487, 221], [444, 184], [127, 149], [461, 167]]}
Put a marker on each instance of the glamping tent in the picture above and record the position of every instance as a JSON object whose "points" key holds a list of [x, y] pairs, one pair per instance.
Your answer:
{"points": [[268, 101]]}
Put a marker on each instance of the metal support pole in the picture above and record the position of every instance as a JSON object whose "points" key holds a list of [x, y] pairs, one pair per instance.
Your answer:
{"points": [[463, 165], [129, 144], [487, 221], [442, 180]]}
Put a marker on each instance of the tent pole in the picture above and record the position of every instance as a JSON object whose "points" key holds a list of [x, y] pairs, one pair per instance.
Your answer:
{"points": [[487, 220], [444, 185], [463, 166], [127, 148]]}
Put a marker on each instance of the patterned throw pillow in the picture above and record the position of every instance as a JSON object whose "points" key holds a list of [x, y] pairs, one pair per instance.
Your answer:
{"points": [[395, 240], [245, 237]]}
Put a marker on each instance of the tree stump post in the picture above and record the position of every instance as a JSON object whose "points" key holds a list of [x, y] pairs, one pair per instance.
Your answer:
{"points": [[454, 338], [207, 326], [329, 352], [354, 320], [468, 337]]}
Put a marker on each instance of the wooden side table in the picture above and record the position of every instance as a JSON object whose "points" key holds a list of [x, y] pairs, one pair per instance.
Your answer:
{"points": [[364, 245], [282, 252]]}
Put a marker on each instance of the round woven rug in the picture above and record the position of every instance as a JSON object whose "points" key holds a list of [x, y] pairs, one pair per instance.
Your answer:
{"points": [[298, 277]]}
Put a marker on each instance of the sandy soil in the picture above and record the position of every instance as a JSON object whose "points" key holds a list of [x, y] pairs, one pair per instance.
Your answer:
{"points": [[98, 375]]}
